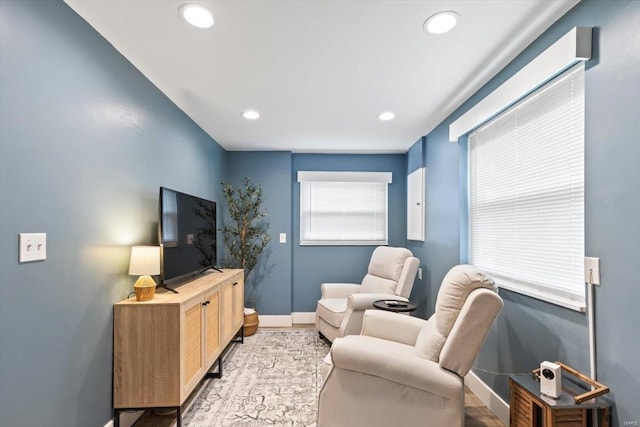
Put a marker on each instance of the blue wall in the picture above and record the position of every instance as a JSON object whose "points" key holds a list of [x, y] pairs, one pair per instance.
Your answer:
{"points": [[314, 265], [85, 143], [529, 331], [441, 249], [272, 170], [292, 274], [420, 294], [417, 155]]}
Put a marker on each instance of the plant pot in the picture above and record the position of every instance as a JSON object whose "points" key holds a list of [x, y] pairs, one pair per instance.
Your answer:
{"points": [[251, 323]]}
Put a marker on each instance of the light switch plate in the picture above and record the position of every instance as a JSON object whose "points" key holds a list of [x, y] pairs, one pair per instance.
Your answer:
{"points": [[283, 237], [592, 264], [32, 247]]}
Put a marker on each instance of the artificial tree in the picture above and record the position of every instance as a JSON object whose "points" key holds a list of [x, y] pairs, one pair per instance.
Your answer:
{"points": [[246, 237]]}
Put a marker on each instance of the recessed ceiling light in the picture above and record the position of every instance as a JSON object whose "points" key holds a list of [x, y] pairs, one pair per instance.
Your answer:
{"points": [[196, 15], [441, 22], [387, 115], [251, 115]]}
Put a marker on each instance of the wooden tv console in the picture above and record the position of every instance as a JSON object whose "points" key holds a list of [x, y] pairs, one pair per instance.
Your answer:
{"points": [[164, 347]]}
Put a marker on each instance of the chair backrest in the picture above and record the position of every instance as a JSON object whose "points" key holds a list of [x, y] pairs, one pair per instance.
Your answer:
{"points": [[466, 307], [391, 271]]}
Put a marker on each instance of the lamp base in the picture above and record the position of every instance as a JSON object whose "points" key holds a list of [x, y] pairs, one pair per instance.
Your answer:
{"points": [[145, 288]]}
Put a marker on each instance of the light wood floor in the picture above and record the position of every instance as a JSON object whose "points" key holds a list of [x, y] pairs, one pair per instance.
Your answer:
{"points": [[476, 414]]}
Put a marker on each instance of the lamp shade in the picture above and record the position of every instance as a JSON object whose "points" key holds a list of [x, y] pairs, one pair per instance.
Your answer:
{"points": [[145, 261]]}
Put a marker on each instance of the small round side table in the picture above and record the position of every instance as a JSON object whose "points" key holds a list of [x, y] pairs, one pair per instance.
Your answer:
{"points": [[395, 306]]}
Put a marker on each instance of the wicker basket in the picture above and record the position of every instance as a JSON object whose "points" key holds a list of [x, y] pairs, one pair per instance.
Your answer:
{"points": [[251, 323]]}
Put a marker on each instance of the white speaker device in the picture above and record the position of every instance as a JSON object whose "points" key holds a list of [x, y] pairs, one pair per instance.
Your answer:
{"points": [[550, 379]]}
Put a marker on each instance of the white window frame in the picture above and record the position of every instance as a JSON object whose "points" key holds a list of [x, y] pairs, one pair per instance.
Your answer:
{"points": [[572, 293], [342, 180]]}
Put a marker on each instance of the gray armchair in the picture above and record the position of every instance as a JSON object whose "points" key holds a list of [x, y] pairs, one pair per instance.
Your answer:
{"points": [[341, 307], [405, 371]]}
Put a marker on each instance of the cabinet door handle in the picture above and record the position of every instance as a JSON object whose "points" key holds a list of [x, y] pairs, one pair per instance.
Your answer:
{"points": [[204, 303], [235, 283]]}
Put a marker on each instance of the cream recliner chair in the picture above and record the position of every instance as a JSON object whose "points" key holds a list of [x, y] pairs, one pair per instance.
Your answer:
{"points": [[406, 371], [390, 276]]}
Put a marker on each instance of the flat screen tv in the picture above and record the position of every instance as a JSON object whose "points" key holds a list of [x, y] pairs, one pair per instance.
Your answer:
{"points": [[187, 236]]}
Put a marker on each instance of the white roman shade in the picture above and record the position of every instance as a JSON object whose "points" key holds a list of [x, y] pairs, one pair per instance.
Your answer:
{"points": [[343, 208], [526, 193]]}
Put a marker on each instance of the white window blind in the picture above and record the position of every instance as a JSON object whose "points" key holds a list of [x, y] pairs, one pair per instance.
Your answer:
{"points": [[526, 193], [343, 208]]}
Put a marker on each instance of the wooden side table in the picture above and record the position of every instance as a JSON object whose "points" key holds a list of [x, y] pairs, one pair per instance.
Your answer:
{"points": [[529, 408]]}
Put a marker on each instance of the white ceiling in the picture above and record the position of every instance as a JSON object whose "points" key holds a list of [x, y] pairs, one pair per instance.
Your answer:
{"points": [[319, 71]]}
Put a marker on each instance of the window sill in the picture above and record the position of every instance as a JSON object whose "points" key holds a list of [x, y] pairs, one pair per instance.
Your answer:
{"points": [[570, 301], [344, 243]]}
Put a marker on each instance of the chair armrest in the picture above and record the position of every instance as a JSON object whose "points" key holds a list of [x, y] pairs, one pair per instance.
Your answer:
{"points": [[338, 290], [392, 327], [373, 357], [365, 301]]}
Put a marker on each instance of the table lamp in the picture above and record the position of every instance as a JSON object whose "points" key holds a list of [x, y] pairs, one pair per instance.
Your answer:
{"points": [[145, 262]]}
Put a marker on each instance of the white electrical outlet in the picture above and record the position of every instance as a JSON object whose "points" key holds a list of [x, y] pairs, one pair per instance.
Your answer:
{"points": [[592, 270], [32, 247], [283, 237]]}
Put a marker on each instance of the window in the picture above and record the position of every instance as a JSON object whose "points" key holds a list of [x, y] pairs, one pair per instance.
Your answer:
{"points": [[526, 193], [343, 208]]}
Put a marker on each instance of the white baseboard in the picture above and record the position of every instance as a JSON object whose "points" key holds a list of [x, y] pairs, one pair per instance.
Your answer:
{"points": [[304, 318], [126, 419], [488, 397], [275, 321], [287, 320]]}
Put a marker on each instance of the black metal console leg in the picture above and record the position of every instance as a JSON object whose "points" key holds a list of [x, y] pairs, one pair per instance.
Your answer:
{"points": [[116, 418], [216, 374], [239, 337], [179, 416]]}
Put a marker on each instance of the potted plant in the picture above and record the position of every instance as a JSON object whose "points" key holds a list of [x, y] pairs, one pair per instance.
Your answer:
{"points": [[245, 239]]}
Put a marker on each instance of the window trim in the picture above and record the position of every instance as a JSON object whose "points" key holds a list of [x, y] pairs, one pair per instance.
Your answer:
{"points": [[573, 47]]}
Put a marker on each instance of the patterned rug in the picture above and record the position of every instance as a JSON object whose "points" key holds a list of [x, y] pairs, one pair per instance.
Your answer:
{"points": [[273, 379]]}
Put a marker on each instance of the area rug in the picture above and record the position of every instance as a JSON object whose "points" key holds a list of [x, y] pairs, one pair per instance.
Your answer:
{"points": [[273, 379]]}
